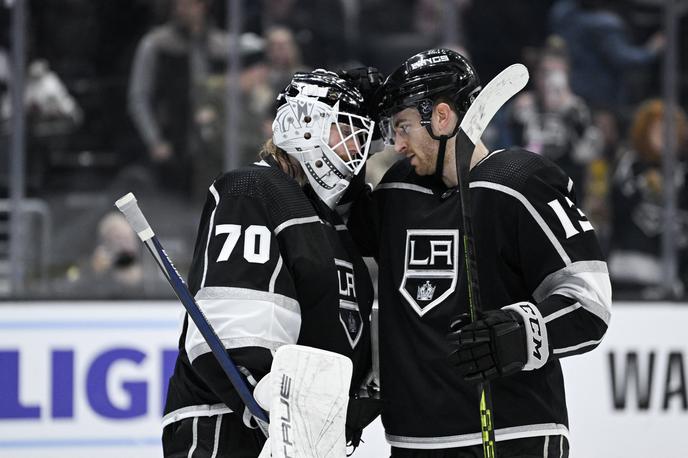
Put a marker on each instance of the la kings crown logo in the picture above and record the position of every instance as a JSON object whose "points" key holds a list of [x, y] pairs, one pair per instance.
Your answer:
{"points": [[430, 267], [425, 292]]}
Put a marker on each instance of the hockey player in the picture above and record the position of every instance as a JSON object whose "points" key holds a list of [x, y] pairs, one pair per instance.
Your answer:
{"points": [[545, 287], [273, 264]]}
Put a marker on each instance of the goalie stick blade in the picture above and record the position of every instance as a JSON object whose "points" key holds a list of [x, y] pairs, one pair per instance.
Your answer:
{"points": [[491, 98]]}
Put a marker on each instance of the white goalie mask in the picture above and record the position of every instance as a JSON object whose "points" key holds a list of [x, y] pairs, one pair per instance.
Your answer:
{"points": [[321, 122]]}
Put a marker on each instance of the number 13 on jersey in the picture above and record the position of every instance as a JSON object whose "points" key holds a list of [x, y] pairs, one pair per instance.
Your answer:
{"points": [[564, 219]]}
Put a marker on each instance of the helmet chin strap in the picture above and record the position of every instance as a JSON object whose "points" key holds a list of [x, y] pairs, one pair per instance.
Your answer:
{"points": [[439, 166], [441, 151]]}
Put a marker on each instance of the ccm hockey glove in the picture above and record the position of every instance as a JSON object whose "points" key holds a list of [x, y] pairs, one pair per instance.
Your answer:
{"points": [[500, 343]]}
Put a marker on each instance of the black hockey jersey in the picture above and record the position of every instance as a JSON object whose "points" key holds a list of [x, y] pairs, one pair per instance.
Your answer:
{"points": [[272, 265], [533, 244]]}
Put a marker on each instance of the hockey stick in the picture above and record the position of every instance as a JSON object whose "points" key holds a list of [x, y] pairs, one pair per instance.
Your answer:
{"points": [[504, 86], [137, 221], [375, 348]]}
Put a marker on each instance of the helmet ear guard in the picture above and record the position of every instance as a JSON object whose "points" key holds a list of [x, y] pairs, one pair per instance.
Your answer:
{"points": [[319, 115]]}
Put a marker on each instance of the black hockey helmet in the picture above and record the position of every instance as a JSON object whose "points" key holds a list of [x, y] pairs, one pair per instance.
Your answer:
{"points": [[424, 77]]}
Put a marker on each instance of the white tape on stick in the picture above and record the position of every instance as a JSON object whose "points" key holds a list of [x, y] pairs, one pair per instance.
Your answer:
{"points": [[134, 215]]}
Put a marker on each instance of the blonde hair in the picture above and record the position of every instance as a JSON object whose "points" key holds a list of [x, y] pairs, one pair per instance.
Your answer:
{"points": [[288, 164]]}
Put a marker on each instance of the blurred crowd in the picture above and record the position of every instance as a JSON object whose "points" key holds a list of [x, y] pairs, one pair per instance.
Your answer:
{"points": [[131, 95]]}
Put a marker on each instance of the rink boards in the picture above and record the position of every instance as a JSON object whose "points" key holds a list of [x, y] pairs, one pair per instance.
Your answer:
{"points": [[88, 379]]}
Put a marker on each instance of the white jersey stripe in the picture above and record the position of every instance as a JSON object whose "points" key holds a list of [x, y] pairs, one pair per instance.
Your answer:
{"points": [[243, 317], [216, 439], [228, 292], [488, 156], [404, 186], [585, 281], [597, 309], [216, 196], [194, 441], [533, 212], [205, 410], [275, 274], [558, 351], [295, 221], [465, 440], [544, 288], [562, 312]]}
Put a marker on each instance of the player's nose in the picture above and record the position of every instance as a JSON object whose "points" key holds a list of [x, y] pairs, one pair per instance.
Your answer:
{"points": [[352, 146], [400, 145]]}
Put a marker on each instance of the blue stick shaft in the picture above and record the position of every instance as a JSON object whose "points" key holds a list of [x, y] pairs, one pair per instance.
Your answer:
{"points": [[207, 331], [128, 206]]}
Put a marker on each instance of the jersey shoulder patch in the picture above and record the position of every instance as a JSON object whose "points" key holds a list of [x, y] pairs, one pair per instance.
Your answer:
{"points": [[281, 195], [512, 168]]}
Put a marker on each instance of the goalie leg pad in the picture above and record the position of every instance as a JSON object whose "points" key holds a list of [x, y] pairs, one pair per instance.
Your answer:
{"points": [[309, 393]]}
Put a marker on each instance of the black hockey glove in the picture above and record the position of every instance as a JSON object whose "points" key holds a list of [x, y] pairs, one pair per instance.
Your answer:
{"points": [[359, 414], [500, 343], [368, 80], [493, 346], [356, 187]]}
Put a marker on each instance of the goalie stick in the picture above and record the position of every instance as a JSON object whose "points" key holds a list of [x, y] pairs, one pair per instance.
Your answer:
{"points": [[492, 97], [137, 221]]}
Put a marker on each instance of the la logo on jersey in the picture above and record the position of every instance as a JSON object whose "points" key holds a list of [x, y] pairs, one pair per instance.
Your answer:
{"points": [[349, 314], [430, 267]]}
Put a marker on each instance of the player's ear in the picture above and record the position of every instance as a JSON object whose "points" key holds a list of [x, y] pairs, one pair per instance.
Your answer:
{"points": [[443, 118]]}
